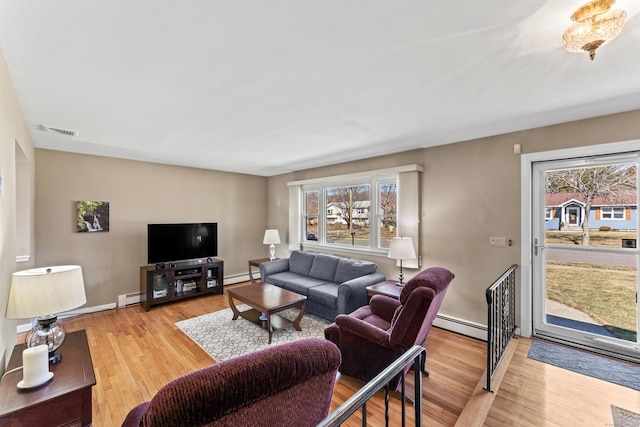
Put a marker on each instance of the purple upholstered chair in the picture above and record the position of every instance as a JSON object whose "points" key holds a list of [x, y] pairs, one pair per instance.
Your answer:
{"points": [[284, 385], [373, 336]]}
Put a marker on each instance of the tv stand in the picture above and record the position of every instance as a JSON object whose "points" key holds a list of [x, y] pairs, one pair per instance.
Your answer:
{"points": [[168, 282]]}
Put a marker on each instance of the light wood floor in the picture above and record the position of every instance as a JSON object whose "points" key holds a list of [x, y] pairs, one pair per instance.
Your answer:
{"points": [[136, 352], [533, 393]]}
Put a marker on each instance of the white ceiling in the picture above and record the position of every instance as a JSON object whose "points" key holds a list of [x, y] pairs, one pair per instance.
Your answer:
{"points": [[269, 86]]}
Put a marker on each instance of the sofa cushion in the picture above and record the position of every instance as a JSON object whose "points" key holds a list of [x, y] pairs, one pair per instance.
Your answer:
{"points": [[300, 262], [281, 279], [325, 294], [348, 269], [301, 284], [324, 267]]}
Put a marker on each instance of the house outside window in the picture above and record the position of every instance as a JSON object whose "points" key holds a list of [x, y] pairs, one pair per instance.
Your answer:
{"points": [[609, 212], [348, 218]]}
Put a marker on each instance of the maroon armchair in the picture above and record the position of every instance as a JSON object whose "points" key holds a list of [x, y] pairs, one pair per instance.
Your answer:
{"points": [[373, 336], [284, 385]]}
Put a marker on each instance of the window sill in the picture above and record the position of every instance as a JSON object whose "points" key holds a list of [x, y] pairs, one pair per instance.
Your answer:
{"points": [[345, 249]]}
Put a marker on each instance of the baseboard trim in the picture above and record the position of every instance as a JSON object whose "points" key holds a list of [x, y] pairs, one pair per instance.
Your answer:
{"points": [[237, 278], [464, 327], [26, 326]]}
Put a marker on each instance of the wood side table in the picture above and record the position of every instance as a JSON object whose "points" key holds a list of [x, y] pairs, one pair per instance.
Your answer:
{"points": [[387, 288], [255, 263], [63, 401]]}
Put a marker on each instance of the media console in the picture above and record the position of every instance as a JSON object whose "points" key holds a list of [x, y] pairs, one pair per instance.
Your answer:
{"points": [[163, 283]]}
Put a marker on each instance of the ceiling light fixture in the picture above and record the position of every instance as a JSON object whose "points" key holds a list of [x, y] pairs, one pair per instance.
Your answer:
{"points": [[594, 26]]}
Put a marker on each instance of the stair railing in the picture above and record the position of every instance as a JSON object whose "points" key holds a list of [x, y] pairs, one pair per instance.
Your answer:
{"points": [[501, 322], [359, 400]]}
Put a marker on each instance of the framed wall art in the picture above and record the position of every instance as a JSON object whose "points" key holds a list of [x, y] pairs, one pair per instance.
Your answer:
{"points": [[92, 217]]}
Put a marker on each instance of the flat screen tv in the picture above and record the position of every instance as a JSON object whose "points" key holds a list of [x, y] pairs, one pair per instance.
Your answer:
{"points": [[179, 242]]}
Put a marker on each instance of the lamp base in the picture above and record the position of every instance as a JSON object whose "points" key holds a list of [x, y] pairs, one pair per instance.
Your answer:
{"points": [[400, 277], [49, 332], [54, 358]]}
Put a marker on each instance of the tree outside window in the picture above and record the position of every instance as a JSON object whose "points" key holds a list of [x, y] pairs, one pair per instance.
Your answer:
{"points": [[590, 183], [311, 205], [350, 223], [388, 195]]}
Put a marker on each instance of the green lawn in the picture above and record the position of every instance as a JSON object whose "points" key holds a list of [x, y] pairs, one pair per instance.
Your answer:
{"points": [[606, 293]]}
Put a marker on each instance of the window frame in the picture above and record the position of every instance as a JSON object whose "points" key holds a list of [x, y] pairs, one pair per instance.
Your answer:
{"points": [[611, 211], [407, 220], [374, 215]]}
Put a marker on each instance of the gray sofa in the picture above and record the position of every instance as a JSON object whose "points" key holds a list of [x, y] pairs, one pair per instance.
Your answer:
{"points": [[332, 285]]}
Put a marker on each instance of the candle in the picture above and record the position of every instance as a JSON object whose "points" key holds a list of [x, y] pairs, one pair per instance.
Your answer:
{"points": [[35, 365]]}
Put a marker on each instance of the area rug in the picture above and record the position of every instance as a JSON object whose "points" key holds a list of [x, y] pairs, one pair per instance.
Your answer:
{"points": [[582, 362], [224, 338], [624, 418]]}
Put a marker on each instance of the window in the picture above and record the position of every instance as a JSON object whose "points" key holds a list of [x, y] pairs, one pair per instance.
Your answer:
{"points": [[548, 213], [311, 215], [349, 215], [608, 212], [358, 212]]}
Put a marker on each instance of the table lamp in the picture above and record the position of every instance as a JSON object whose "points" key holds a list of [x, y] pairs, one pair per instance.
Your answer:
{"points": [[43, 293], [401, 248], [271, 238]]}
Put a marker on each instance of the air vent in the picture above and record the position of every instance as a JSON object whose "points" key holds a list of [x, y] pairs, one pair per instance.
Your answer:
{"points": [[59, 131]]}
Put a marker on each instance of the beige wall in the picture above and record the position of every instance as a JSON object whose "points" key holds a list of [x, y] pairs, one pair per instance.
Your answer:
{"points": [[13, 130], [470, 191], [139, 193]]}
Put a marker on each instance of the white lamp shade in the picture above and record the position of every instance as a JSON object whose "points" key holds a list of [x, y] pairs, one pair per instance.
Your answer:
{"points": [[45, 291], [271, 237], [401, 248]]}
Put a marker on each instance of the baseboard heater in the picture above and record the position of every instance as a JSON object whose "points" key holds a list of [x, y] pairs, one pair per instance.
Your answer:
{"points": [[129, 299]]}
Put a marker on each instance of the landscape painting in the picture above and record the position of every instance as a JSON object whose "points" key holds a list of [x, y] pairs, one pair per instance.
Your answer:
{"points": [[92, 216]]}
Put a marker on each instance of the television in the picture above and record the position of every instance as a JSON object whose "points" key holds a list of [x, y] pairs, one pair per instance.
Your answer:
{"points": [[179, 242]]}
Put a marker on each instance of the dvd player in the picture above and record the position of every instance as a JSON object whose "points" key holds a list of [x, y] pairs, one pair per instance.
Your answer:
{"points": [[188, 271]]}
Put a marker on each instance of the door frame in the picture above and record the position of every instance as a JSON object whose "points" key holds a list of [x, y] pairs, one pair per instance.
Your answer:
{"points": [[526, 249], [578, 216]]}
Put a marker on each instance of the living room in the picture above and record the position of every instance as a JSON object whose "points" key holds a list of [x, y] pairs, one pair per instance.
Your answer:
{"points": [[470, 190]]}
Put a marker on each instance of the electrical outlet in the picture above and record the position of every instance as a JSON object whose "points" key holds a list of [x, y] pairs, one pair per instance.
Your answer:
{"points": [[497, 241]]}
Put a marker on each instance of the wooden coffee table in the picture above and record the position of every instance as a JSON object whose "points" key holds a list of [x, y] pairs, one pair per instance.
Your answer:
{"points": [[268, 299]]}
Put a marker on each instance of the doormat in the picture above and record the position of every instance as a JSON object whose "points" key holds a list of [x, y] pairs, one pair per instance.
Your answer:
{"points": [[624, 418], [224, 338], [582, 362]]}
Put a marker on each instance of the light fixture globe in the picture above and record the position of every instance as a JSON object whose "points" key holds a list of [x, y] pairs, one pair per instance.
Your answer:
{"points": [[594, 26], [590, 10]]}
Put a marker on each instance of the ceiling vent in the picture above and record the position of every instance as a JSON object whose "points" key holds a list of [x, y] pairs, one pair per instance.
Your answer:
{"points": [[59, 131]]}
